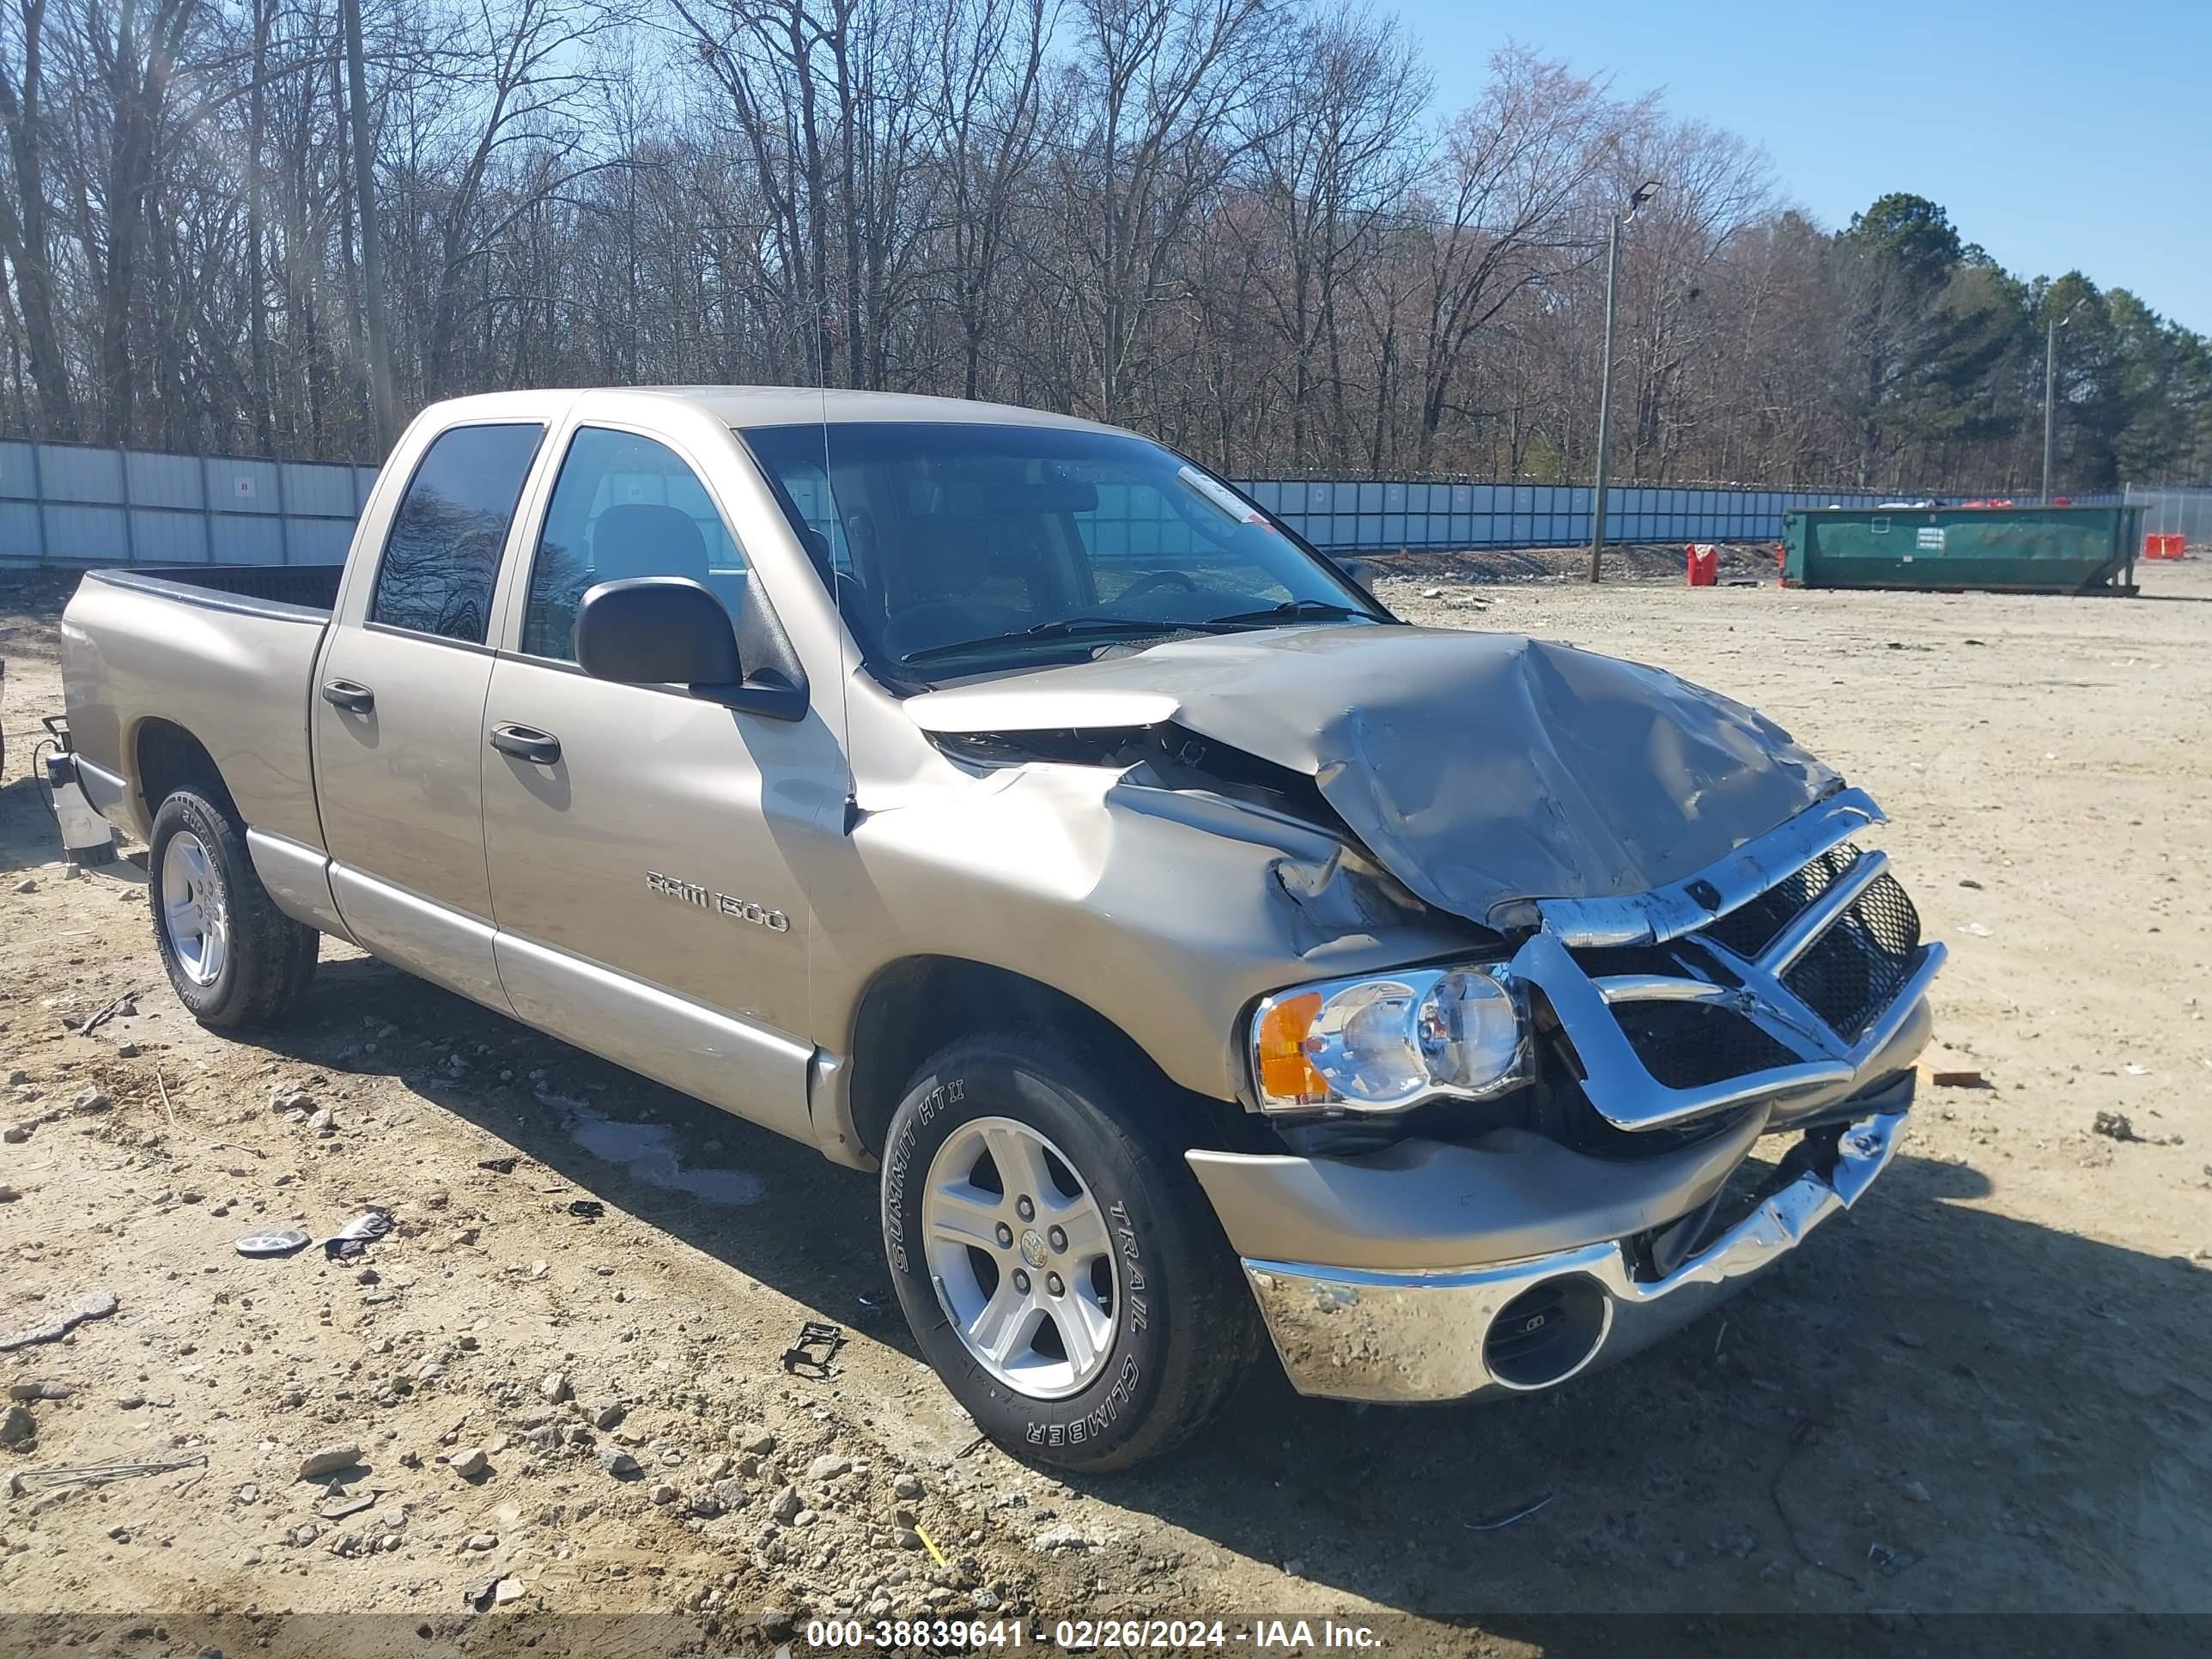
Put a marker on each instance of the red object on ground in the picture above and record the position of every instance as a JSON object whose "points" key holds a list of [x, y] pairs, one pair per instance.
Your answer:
{"points": [[2165, 546], [1704, 563]]}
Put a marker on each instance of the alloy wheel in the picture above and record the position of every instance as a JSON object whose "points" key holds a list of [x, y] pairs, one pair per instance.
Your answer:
{"points": [[1021, 1258], [191, 908]]}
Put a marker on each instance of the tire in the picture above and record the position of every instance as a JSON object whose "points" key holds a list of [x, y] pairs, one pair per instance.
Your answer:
{"points": [[249, 964], [1180, 1326]]}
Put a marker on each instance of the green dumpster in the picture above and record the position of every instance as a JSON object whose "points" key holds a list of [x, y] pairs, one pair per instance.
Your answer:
{"points": [[2006, 549]]}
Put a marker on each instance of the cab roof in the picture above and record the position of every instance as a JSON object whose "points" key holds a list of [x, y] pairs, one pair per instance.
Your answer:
{"points": [[782, 405]]}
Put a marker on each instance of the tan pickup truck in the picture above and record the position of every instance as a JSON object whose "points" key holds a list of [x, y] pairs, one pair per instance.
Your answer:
{"points": [[1002, 802]]}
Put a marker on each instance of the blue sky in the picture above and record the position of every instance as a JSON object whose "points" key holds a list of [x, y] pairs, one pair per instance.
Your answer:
{"points": [[2059, 136]]}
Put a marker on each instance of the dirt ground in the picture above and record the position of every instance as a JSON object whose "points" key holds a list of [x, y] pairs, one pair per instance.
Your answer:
{"points": [[1983, 1391]]}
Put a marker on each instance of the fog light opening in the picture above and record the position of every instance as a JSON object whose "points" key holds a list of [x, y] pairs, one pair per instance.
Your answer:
{"points": [[1549, 1331]]}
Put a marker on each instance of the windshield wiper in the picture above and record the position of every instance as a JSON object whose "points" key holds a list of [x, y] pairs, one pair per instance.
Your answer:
{"points": [[1290, 608], [1059, 628]]}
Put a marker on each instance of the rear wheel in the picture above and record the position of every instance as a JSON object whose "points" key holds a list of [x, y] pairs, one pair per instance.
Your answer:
{"points": [[1055, 1257], [232, 957]]}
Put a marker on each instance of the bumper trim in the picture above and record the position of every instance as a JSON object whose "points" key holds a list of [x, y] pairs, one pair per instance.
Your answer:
{"points": [[1358, 1334]]}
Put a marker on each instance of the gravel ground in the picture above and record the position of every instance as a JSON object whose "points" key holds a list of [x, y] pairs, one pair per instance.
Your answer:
{"points": [[1983, 1392]]}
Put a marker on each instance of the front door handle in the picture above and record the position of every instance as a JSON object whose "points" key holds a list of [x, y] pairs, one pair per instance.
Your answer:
{"points": [[354, 698], [527, 743]]}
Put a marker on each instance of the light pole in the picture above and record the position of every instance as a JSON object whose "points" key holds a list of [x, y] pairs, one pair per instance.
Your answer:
{"points": [[1643, 193], [2051, 386]]}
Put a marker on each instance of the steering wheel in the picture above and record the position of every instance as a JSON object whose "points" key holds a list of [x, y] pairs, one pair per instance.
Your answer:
{"points": [[1160, 579]]}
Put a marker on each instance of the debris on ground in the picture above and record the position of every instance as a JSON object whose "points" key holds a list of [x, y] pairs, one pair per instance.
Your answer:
{"points": [[813, 1334], [284, 1241], [1499, 1522], [1960, 1080], [1887, 1559], [93, 1304], [587, 1209], [2114, 1126], [127, 1004], [97, 1474], [495, 1591], [357, 1234]]}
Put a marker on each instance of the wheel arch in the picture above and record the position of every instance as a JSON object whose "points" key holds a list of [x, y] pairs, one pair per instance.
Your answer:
{"points": [[915, 1006], [167, 757]]}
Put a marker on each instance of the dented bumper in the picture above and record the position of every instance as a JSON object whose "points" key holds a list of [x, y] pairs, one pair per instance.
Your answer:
{"points": [[1495, 1327]]}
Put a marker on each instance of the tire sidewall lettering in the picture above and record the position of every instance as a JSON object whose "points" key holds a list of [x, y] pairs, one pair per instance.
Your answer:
{"points": [[950, 1092]]}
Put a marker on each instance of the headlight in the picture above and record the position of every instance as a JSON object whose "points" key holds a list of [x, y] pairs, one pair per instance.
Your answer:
{"points": [[1383, 1043]]}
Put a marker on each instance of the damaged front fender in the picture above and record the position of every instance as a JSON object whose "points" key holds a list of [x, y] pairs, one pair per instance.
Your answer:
{"points": [[1168, 912]]}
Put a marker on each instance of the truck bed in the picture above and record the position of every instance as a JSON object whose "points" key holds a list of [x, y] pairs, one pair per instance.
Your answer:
{"points": [[223, 655], [294, 586]]}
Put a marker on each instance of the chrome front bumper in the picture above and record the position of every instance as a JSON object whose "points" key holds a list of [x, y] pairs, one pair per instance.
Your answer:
{"points": [[1354, 1334]]}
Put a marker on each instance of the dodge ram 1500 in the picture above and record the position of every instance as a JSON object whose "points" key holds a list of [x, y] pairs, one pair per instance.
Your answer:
{"points": [[1003, 802]]}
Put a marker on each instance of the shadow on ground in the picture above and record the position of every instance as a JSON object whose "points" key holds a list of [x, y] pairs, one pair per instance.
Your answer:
{"points": [[1926, 1409]]}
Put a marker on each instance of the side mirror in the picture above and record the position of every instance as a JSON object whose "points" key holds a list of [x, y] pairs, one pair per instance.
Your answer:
{"points": [[656, 630], [1360, 572]]}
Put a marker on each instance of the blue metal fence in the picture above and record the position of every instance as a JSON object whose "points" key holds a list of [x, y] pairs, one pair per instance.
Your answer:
{"points": [[74, 504]]}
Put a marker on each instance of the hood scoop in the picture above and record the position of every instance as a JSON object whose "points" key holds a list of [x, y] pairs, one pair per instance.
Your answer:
{"points": [[1480, 769]]}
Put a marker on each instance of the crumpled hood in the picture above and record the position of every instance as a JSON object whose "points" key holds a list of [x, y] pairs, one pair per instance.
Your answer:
{"points": [[1477, 767]]}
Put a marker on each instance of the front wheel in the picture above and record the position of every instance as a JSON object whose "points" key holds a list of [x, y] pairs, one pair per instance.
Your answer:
{"points": [[1055, 1259], [234, 958]]}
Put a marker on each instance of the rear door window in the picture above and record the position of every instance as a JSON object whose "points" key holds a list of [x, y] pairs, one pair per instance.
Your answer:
{"points": [[441, 557]]}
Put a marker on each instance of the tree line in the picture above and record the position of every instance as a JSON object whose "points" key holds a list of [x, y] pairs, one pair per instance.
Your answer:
{"points": [[1254, 228]]}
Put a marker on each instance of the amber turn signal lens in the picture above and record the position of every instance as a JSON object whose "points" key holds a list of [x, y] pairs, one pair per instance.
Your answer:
{"points": [[1285, 1074]]}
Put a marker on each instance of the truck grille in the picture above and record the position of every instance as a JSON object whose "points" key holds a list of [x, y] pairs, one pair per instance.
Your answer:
{"points": [[1851, 973], [1783, 973], [1853, 970], [1685, 1045], [1751, 928]]}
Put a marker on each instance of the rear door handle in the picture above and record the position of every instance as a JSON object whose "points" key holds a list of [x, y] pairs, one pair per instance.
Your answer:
{"points": [[527, 743], [354, 699]]}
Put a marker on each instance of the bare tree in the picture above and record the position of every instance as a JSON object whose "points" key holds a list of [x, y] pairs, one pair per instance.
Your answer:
{"points": [[1230, 223]]}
